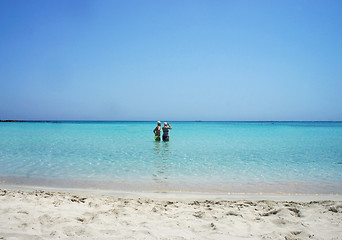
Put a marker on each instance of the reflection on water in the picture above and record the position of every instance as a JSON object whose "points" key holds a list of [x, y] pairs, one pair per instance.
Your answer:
{"points": [[161, 161]]}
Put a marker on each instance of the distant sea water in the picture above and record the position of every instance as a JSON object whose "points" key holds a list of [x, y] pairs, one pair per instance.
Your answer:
{"points": [[304, 157]]}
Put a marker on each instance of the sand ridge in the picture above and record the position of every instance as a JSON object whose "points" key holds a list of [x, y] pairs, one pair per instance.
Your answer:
{"points": [[59, 215]]}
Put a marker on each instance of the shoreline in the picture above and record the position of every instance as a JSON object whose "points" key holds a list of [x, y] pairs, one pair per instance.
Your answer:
{"points": [[181, 195], [230, 188]]}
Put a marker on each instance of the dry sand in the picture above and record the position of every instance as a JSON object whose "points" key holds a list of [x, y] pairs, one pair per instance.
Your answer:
{"points": [[60, 215]]}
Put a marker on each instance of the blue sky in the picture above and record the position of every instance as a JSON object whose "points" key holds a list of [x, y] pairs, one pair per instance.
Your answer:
{"points": [[171, 60]]}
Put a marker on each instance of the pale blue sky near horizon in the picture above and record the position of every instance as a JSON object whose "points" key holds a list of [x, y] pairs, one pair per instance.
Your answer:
{"points": [[171, 60]]}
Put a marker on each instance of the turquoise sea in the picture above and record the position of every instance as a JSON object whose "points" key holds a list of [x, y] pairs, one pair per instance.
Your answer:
{"points": [[301, 157]]}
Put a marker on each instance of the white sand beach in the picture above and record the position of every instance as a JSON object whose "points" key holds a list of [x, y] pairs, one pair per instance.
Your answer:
{"points": [[65, 215]]}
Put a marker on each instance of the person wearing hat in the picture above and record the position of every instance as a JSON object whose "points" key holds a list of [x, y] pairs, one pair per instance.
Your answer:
{"points": [[166, 131], [157, 131]]}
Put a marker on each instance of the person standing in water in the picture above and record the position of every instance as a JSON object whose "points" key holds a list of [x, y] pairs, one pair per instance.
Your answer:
{"points": [[166, 131], [157, 131]]}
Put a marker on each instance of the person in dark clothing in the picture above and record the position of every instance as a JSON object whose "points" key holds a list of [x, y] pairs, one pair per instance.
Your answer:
{"points": [[166, 131], [157, 131]]}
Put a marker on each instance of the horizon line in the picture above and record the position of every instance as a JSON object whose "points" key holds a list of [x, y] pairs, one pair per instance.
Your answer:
{"points": [[43, 120]]}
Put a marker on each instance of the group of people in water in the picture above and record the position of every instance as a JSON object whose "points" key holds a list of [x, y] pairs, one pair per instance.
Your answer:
{"points": [[165, 129]]}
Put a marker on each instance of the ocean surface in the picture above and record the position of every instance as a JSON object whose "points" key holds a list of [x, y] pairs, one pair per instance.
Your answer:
{"points": [[304, 157]]}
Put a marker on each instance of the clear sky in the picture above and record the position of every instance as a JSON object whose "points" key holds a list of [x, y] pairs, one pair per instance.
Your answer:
{"points": [[171, 60]]}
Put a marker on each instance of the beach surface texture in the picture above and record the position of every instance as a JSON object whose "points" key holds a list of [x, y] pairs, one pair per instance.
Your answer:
{"points": [[59, 215]]}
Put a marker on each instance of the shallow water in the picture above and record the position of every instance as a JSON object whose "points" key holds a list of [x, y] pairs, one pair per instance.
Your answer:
{"points": [[201, 156]]}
